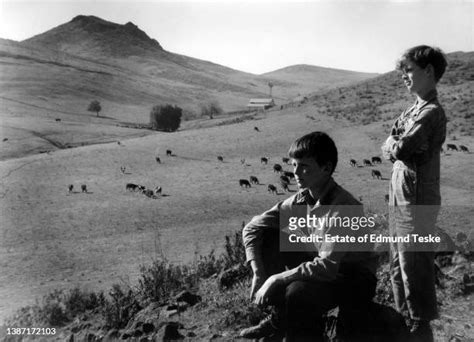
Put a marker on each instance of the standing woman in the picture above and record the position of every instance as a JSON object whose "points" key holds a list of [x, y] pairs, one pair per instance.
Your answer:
{"points": [[414, 148]]}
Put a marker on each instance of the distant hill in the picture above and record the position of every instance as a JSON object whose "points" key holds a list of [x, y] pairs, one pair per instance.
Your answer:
{"points": [[60, 71], [383, 98], [317, 78]]}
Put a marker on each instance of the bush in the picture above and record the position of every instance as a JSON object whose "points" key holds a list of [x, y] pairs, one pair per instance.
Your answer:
{"points": [[166, 118], [121, 308], [234, 250], [161, 280]]}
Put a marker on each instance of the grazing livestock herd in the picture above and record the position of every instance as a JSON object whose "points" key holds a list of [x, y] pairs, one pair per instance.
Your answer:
{"points": [[142, 189], [377, 160], [453, 147], [284, 178]]}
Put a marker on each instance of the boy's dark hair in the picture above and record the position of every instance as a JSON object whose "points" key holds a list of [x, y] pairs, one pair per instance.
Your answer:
{"points": [[317, 145], [424, 55]]}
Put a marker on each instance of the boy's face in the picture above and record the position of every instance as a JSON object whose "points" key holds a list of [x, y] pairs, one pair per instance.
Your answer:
{"points": [[309, 174], [417, 80]]}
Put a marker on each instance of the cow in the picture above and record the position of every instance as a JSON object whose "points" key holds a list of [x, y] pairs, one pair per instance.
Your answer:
{"points": [[367, 162], [84, 188], [5, 139], [244, 182], [464, 148], [285, 186], [289, 174], [376, 160], [376, 173], [169, 153], [256, 128], [70, 187], [149, 193], [118, 143], [141, 188], [451, 147], [57, 120], [353, 162], [272, 188], [277, 168], [122, 169], [285, 160], [254, 180], [264, 160], [158, 160], [131, 187], [284, 180], [220, 158], [242, 161], [157, 190]]}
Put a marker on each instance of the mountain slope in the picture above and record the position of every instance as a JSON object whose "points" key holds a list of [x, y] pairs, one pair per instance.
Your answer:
{"points": [[383, 98], [135, 73], [317, 78]]}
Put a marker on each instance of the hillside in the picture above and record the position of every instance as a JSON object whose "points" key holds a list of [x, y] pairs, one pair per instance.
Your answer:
{"points": [[384, 97], [317, 78]]}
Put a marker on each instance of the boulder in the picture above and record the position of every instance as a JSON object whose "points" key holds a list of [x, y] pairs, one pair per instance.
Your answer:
{"points": [[169, 332]]}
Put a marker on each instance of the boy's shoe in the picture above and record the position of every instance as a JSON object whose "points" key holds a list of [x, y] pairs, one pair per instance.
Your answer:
{"points": [[421, 331], [266, 328]]}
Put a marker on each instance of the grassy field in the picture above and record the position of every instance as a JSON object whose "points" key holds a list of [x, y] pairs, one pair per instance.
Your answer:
{"points": [[51, 238]]}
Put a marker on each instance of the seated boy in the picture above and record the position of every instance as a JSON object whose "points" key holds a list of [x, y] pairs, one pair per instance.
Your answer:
{"points": [[303, 284]]}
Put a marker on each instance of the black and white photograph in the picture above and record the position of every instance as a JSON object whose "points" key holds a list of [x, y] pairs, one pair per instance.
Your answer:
{"points": [[237, 170]]}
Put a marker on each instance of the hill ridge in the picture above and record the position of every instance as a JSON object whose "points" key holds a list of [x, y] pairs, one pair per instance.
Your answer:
{"points": [[91, 35]]}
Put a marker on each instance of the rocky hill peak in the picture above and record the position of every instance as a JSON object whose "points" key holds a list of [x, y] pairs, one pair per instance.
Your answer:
{"points": [[90, 35]]}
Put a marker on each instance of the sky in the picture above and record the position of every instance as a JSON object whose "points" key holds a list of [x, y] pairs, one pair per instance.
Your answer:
{"points": [[264, 35]]}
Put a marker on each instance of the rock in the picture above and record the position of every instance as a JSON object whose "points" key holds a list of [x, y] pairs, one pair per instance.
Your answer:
{"points": [[188, 297], [169, 332], [170, 313], [148, 328], [150, 314]]}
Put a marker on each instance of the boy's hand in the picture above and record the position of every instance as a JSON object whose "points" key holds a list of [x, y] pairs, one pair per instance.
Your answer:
{"points": [[262, 295]]}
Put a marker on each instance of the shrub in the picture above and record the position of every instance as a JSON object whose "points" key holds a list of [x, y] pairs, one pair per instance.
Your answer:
{"points": [[234, 250], [161, 280], [121, 308], [208, 265], [166, 118]]}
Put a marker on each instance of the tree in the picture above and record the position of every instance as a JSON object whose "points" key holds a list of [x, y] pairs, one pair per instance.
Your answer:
{"points": [[166, 118], [211, 109], [94, 106]]}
